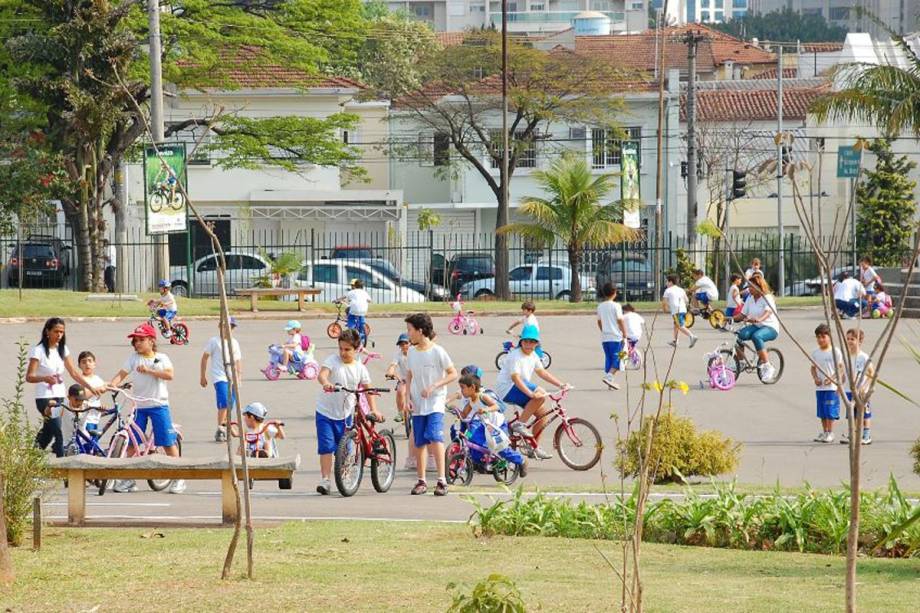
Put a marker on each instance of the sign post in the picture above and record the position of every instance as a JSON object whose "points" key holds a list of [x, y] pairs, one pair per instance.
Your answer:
{"points": [[630, 196], [849, 163]]}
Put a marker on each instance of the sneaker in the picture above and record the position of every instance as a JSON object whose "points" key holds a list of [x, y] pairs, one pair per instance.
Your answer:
{"points": [[398, 419], [828, 437], [323, 487], [867, 439], [820, 438], [693, 340], [420, 488], [541, 455], [608, 381], [527, 450], [844, 440], [767, 371], [220, 436], [440, 489], [672, 343], [177, 486], [125, 486], [521, 429]]}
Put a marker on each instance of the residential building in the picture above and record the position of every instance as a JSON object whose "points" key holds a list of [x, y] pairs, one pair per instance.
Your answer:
{"points": [[705, 11], [899, 15]]}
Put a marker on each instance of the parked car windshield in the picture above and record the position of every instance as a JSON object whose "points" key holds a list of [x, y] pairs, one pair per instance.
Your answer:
{"points": [[478, 263], [354, 253], [384, 267]]}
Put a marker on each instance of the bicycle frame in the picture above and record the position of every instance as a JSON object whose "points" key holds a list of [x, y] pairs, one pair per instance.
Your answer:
{"points": [[466, 444], [557, 412], [85, 443]]}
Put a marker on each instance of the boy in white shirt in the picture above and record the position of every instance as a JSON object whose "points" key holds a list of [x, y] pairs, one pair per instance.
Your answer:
{"points": [[527, 319], [847, 294], [358, 301], [224, 395], [704, 290], [864, 373], [398, 370], [674, 301], [613, 329], [430, 372], [634, 325], [167, 307], [827, 366], [87, 363]]}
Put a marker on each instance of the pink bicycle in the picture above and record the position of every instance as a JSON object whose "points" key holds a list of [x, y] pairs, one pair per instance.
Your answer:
{"points": [[721, 376], [463, 321], [129, 436]]}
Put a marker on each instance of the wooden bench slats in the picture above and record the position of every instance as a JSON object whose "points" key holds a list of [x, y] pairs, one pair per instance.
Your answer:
{"points": [[255, 292]]}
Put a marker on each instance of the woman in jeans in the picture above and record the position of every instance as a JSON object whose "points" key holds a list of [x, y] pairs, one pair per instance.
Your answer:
{"points": [[759, 311], [47, 362]]}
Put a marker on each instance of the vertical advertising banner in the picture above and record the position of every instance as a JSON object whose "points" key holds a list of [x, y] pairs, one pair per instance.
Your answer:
{"points": [[629, 183], [165, 205]]}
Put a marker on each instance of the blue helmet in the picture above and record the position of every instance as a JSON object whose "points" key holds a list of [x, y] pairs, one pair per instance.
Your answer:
{"points": [[403, 338], [256, 409], [164, 283], [471, 369], [292, 324], [530, 333]]}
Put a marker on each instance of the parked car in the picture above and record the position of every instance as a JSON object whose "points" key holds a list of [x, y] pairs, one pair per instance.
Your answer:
{"points": [[639, 280], [332, 278], [351, 252], [539, 280], [812, 287], [435, 292], [243, 270], [44, 262], [460, 269]]}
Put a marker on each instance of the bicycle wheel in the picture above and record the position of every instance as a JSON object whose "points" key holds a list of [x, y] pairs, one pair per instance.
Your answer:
{"points": [[349, 464], [506, 472], [578, 443], [634, 360], [116, 450], [500, 359], [459, 469], [157, 202], [180, 334], [775, 357], [546, 359], [472, 327], [454, 327], [158, 485], [367, 330], [722, 377], [334, 330], [177, 202], [689, 320], [383, 465], [717, 319]]}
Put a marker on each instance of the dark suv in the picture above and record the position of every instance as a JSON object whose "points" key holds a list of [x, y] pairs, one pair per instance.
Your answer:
{"points": [[351, 252], [44, 263], [639, 281], [461, 268]]}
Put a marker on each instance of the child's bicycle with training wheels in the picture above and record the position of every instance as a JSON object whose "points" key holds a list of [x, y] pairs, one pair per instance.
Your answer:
{"points": [[129, 436], [633, 359], [545, 358], [749, 361], [715, 317], [306, 368], [463, 321], [177, 332], [259, 447], [334, 330], [83, 441], [721, 375], [362, 442], [576, 440], [459, 463]]}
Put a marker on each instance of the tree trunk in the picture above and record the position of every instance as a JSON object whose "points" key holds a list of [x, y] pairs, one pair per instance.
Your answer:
{"points": [[855, 427], [6, 563], [575, 265], [502, 265]]}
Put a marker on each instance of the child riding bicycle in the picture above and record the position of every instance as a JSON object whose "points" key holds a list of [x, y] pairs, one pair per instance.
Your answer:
{"points": [[358, 301], [260, 441], [166, 307], [485, 421], [703, 291], [759, 311]]}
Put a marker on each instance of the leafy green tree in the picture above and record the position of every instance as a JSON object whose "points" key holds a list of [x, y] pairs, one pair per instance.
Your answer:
{"points": [[783, 25], [574, 214], [396, 48], [885, 217], [79, 75]]}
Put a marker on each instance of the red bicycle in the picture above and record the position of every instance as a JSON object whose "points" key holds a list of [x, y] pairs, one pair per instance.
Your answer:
{"points": [[576, 440], [361, 442]]}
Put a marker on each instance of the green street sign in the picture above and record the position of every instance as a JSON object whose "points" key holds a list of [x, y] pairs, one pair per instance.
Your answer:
{"points": [[847, 162]]}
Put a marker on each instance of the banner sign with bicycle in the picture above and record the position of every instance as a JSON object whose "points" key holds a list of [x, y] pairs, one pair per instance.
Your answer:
{"points": [[629, 183], [164, 172]]}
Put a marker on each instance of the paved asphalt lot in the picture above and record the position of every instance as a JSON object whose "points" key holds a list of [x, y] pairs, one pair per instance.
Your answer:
{"points": [[774, 423]]}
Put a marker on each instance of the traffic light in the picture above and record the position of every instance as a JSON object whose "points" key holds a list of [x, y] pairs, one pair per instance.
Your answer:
{"points": [[683, 170], [739, 184], [785, 151]]}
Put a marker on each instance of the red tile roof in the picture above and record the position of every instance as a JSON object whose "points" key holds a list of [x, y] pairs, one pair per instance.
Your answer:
{"points": [[751, 105], [821, 47], [450, 39], [770, 74]]}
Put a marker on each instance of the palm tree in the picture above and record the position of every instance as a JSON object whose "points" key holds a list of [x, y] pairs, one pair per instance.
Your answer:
{"points": [[882, 95], [574, 214]]}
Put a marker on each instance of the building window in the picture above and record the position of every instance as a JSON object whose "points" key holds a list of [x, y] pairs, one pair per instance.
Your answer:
{"points": [[738, 14], [605, 148], [742, 4], [434, 148], [526, 150], [839, 13]]}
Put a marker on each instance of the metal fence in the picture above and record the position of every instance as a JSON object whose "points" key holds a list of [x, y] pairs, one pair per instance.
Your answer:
{"points": [[411, 267]]}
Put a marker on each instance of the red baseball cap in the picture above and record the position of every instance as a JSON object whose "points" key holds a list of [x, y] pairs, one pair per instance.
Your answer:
{"points": [[143, 331]]}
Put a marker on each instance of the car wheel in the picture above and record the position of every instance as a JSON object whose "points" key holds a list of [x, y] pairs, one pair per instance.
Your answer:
{"points": [[484, 294], [180, 289], [563, 295]]}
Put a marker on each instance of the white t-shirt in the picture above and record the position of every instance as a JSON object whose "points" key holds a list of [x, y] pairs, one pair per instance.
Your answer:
{"points": [[297, 340], [849, 289], [734, 296], [340, 405], [111, 255], [754, 308], [168, 302], [358, 302], [215, 350], [518, 363], [676, 298], [750, 272], [827, 362], [427, 367], [705, 284], [402, 364], [859, 367], [867, 277], [609, 313], [530, 320], [634, 323], [93, 401], [151, 390], [49, 363]]}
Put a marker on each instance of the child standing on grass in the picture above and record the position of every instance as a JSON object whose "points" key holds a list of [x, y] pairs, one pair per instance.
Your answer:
{"points": [[333, 408], [613, 331], [674, 301], [827, 362], [224, 396], [864, 373]]}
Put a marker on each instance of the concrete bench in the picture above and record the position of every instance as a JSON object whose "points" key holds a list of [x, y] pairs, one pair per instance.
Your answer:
{"points": [[255, 292], [78, 469]]}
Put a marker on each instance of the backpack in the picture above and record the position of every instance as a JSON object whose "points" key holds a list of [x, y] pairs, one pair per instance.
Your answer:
{"points": [[304, 342]]}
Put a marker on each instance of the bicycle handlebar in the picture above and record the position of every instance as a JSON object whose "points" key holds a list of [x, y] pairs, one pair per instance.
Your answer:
{"points": [[366, 390]]}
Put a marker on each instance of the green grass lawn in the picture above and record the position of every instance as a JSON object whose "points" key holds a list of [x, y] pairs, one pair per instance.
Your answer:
{"points": [[47, 303], [365, 566]]}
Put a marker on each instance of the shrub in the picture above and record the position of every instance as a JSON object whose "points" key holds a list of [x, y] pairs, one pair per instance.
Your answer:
{"points": [[494, 593], [683, 269], [915, 454], [23, 465], [678, 451]]}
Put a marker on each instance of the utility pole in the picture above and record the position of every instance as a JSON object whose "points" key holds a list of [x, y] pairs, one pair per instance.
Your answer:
{"points": [[692, 40], [659, 178], [501, 255], [161, 244], [780, 171]]}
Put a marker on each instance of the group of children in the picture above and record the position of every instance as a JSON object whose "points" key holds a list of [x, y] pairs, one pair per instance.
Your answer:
{"points": [[830, 373], [867, 293]]}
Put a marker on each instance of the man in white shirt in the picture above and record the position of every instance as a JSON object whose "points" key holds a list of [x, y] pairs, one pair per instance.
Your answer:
{"points": [[847, 294], [224, 393], [704, 290], [110, 263], [674, 301]]}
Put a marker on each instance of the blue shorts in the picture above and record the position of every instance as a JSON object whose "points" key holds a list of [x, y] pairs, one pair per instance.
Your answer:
{"points": [[167, 315], [223, 397], [516, 396], [328, 433], [164, 435], [428, 429], [702, 297], [867, 414], [611, 355], [828, 404], [680, 319]]}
